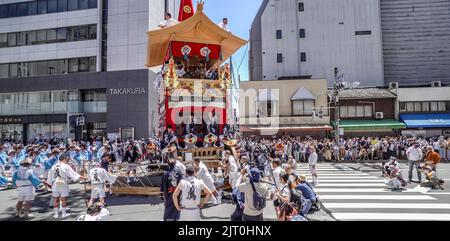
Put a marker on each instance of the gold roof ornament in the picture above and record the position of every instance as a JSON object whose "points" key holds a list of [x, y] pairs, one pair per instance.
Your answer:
{"points": [[197, 29]]}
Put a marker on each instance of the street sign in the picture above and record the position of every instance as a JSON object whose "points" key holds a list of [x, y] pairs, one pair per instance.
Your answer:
{"points": [[339, 78], [341, 131]]}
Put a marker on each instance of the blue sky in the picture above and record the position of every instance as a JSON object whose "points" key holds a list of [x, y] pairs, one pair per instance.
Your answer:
{"points": [[240, 14]]}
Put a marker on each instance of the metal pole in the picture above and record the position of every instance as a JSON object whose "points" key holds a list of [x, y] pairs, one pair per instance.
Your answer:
{"points": [[67, 123], [336, 104]]}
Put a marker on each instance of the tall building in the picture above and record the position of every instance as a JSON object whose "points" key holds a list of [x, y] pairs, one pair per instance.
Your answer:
{"points": [[416, 41], [308, 38], [76, 58]]}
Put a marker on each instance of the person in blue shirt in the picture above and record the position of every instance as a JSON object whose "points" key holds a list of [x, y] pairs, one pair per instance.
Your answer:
{"points": [[13, 160], [25, 181], [3, 160], [307, 192], [50, 161]]}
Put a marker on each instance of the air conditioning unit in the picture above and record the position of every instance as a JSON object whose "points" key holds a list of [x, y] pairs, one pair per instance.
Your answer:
{"points": [[379, 115], [436, 84], [393, 85]]}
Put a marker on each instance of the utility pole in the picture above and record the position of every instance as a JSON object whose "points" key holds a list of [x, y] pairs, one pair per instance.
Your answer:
{"points": [[336, 105]]}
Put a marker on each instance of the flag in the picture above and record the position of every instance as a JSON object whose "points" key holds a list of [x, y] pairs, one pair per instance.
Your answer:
{"points": [[186, 10]]}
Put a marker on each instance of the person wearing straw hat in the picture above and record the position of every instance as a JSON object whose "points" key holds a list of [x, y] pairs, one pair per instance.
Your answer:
{"points": [[25, 181]]}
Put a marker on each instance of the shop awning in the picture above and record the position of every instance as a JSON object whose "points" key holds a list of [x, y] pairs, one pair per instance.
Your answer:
{"points": [[426, 120], [357, 125], [288, 128]]}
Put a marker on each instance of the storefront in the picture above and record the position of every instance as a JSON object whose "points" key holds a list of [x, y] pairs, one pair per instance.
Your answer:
{"points": [[373, 128], [426, 125]]}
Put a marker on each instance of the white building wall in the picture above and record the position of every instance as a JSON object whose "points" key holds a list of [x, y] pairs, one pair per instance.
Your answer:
{"points": [[423, 94], [128, 23], [49, 51], [328, 44]]}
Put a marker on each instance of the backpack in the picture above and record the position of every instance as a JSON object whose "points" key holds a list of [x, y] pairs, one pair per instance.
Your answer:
{"points": [[296, 198], [259, 201]]}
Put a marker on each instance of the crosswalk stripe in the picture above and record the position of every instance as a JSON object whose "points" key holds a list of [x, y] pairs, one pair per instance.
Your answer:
{"points": [[390, 205], [393, 216], [358, 190], [350, 184], [375, 197]]}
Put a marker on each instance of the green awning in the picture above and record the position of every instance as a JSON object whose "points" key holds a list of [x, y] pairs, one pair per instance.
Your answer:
{"points": [[357, 125]]}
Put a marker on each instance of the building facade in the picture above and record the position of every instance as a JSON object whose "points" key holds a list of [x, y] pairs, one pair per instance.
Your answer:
{"points": [[416, 41], [76, 58], [425, 110], [270, 109], [367, 112], [309, 38]]}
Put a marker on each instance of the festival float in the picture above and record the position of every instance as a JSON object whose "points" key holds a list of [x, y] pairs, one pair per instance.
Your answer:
{"points": [[194, 87]]}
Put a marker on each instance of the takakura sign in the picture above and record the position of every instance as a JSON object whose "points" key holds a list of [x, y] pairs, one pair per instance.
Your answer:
{"points": [[128, 91]]}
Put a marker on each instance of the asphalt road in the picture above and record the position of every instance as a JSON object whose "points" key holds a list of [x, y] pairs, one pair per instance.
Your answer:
{"points": [[348, 192]]}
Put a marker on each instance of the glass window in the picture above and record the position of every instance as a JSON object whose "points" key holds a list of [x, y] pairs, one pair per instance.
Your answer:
{"points": [[402, 106], [3, 40], [72, 34], [83, 4], [303, 57], [434, 106], [425, 106], [309, 107], [92, 31], [13, 70], [12, 39], [31, 37], [41, 36], [83, 32], [32, 69], [42, 7], [21, 38], [52, 6], [84, 65], [344, 111], [42, 68], [72, 5], [61, 34], [410, 107], [360, 111], [62, 5], [417, 107], [51, 35], [279, 34], [368, 112], [302, 33], [92, 3], [279, 58], [46, 96], [73, 65], [4, 71], [53, 67], [352, 111], [298, 108], [22, 9], [22, 69], [62, 66], [301, 7], [3, 11], [92, 64], [12, 10], [441, 106], [32, 8], [447, 106]]}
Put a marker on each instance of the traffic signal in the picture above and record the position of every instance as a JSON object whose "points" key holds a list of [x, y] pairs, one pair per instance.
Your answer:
{"points": [[80, 121], [320, 114]]}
